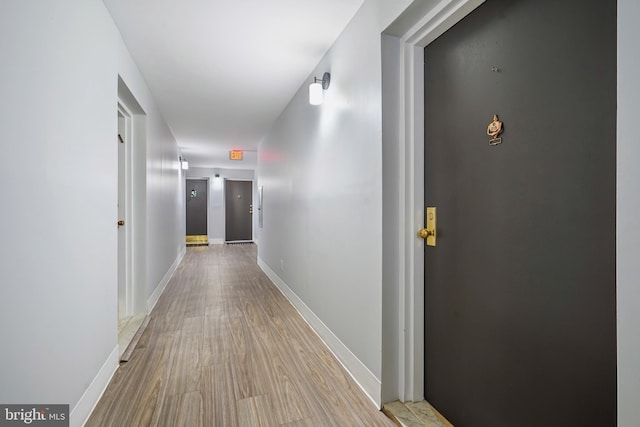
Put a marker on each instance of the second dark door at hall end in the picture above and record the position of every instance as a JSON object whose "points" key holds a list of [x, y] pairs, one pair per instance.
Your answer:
{"points": [[238, 211]]}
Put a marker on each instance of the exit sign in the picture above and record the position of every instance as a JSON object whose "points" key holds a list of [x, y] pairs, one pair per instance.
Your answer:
{"points": [[235, 155]]}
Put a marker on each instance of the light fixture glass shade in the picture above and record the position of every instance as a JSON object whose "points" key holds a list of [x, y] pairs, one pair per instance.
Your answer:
{"points": [[185, 165], [315, 93]]}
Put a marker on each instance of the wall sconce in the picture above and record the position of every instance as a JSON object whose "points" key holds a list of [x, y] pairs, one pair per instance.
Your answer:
{"points": [[316, 88], [184, 164]]}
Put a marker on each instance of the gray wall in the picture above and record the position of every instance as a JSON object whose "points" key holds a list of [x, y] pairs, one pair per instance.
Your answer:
{"points": [[628, 287], [391, 217], [59, 193], [58, 299], [323, 193]]}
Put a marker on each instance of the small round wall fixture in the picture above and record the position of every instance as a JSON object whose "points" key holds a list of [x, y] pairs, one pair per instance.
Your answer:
{"points": [[326, 81]]}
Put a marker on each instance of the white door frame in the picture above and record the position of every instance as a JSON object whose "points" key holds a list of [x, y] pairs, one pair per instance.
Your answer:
{"points": [[415, 32]]}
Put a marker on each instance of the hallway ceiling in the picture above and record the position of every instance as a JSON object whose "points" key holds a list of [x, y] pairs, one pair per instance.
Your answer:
{"points": [[222, 71]]}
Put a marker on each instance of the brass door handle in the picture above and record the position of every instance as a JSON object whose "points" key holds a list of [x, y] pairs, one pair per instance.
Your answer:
{"points": [[121, 223], [424, 233]]}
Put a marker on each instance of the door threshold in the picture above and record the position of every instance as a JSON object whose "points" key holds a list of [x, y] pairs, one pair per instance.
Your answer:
{"points": [[414, 414], [129, 329], [197, 240]]}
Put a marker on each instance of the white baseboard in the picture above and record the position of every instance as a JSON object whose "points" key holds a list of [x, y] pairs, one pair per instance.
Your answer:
{"points": [[358, 371], [216, 241], [155, 296], [83, 409]]}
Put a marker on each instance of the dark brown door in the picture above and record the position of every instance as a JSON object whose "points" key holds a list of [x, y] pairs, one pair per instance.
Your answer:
{"points": [[196, 207], [520, 289], [238, 210]]}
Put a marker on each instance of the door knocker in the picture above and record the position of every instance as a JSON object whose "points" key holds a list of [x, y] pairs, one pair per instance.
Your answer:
{"points": [[493, 130]]}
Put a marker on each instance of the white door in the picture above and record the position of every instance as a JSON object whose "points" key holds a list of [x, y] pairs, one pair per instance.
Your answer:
{"points": [[122, 224]]}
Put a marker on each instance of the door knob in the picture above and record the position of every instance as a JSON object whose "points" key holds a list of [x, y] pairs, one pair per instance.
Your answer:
{"points": [[120, 223], [424, 233]]}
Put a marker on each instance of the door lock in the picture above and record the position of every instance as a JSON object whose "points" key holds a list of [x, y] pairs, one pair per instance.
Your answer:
{"points": [[121, 223], [429, 232]]}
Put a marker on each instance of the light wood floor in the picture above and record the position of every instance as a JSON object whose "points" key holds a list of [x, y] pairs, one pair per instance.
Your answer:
{"points": [[225, 348]]}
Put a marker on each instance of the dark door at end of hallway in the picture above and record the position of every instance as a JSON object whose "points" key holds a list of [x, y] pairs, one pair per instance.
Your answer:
{"points": [[520, 321], [196, 192], [238, 210]]}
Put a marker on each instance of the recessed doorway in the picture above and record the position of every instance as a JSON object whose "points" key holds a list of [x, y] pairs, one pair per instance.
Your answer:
{"points": [[132, 304], [128, 320]]}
